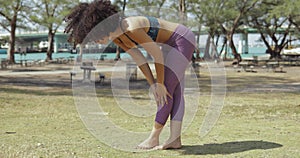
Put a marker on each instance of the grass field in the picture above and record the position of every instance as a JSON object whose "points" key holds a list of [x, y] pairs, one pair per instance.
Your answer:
{"points": [[260, 118]]}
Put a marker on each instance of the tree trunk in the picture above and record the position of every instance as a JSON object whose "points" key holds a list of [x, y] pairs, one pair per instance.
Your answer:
{"points": [[12, 41], [236, 55], [11, 48], [198, 41], [207, 48], [276, 52], [269, 48], [217, 54], [50, 45], [197, 54], [182, 11], [124, 5], [118, 56], [225, 53], [230, 33], [222, 49]]}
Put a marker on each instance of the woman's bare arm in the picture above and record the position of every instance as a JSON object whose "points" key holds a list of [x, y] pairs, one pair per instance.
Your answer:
{"points": [[140, 36], [140, 60]]}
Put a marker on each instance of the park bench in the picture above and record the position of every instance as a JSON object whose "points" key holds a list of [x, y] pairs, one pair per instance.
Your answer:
{"points": [[195, 70], [102, 57], [273, 65], [131, 71], [4, 63], [245, 66], [101, 77], [87, 68]]}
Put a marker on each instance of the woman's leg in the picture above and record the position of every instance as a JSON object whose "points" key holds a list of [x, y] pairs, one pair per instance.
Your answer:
{"points": [[174, 141], [175, 65], [171, 82], [174, 83], [163, 112], [153, 139], [177, 112], [186, 47]]}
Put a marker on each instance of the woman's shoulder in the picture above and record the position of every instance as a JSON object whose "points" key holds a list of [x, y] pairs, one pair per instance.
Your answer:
{"points": [[136, 22]]}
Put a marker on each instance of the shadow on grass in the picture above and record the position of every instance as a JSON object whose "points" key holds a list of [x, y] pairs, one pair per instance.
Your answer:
{"points": [[254, 83], [37, 92], [33, 81], [41, 86], [228, 147]]}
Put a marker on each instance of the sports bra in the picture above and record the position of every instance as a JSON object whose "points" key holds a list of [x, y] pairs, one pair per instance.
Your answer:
{"points": [[152, 32], [154, 27]]}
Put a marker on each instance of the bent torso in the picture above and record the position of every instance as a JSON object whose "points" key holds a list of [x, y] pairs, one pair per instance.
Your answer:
{"points": [[166, 28]]}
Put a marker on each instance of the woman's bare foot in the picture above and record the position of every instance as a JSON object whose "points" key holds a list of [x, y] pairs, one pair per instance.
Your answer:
{"points": [[149, 143], [170, 144], [153, 139]]}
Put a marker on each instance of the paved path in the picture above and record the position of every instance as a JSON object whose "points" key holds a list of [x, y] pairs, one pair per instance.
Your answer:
{"points": [[51, 70], [45, 72]]}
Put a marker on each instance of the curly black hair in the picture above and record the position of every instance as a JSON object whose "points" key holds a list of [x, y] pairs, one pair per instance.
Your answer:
{"points": [[85, 16]]}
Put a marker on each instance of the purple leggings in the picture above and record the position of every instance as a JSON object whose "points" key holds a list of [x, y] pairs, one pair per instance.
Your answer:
{"points": [[178, 51]]}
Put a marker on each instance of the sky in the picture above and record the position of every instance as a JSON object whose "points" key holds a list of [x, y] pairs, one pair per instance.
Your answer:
{"points": [[252, 38]]}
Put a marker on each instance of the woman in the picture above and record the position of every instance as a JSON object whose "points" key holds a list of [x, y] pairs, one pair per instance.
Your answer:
{"points": [[177, 46]]}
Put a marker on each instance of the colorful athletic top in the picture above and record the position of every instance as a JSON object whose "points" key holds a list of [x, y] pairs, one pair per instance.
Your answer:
{"points": [[152, 32]]}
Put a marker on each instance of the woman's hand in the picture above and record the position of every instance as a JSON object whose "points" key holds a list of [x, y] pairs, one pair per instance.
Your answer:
{"points": [[160, 93]]}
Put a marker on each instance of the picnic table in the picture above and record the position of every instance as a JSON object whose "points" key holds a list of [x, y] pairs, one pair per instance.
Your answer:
{"points": [[22, 62], [4, 63], [131, 71], [292, 59], [247, 66], [255, 60], [275, 64], [87, 68]]}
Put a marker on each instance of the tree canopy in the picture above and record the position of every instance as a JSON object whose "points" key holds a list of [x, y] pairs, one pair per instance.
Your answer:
{"points": [[50, 14], [273, 19], [12, 15]]}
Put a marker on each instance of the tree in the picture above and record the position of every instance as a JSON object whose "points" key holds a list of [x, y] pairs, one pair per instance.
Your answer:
{"points": [[50, 14], [273, 20], [122, 4], [182, 11], [195, 8], [147, 7], [209, 14], [224, 17], [290, 9], [10, 16], [236, 11]]}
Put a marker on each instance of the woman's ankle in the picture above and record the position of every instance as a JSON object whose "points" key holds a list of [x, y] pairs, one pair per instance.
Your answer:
{"points": [[155, 132]]}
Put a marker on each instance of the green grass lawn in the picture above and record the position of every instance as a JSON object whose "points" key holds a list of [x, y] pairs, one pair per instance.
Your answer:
{"points": [[260, 118]]}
